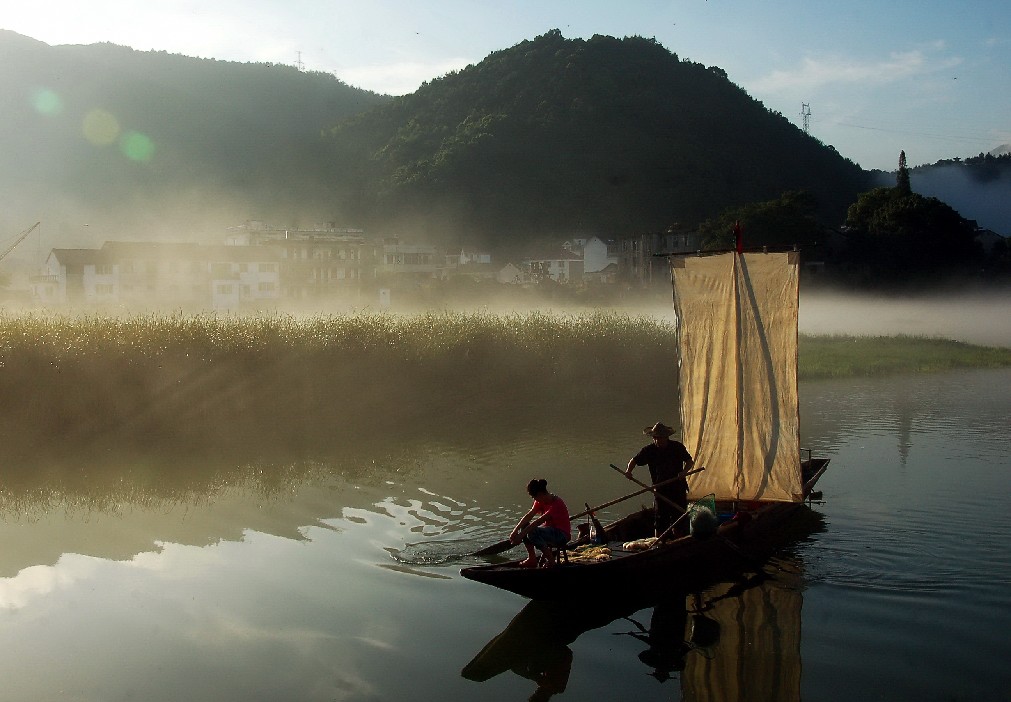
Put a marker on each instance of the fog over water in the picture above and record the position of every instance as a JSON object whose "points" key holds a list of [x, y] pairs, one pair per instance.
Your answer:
{"points": [[982, 318], [977, 318]]}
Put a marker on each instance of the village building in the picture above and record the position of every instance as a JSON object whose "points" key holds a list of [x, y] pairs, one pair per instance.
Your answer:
{"points": [[988, 240], [321, 262], [638, 257], [471, 263], [464, 256], [397, 258], [561, 266], [597, 254], [511, 274], [144, 275]]}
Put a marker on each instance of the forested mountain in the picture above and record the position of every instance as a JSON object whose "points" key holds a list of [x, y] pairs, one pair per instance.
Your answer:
{"points": [[141, 144], [551, 137], [556, 136]]}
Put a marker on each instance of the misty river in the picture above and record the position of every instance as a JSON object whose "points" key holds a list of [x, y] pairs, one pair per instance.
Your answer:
{"points": [[335, 576]]}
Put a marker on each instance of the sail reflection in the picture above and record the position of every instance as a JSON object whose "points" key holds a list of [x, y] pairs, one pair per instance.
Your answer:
{"points": [[757, 653]]}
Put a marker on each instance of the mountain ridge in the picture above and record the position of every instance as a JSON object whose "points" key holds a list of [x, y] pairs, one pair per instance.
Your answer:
{"points": [[621, 132], [547, 139]]}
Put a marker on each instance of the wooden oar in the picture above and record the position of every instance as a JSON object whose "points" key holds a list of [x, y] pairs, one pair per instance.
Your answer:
{"points": [[507, 544]]}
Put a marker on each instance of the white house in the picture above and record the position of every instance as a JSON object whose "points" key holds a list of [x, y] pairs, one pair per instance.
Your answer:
{"points": [[81, 276], [145, 275], [397, 258], [595, 252], [561, 266], [474, 256], [243, 276]]}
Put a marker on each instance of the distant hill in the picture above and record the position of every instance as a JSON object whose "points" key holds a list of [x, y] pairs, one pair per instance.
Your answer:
{"points": [[139, 144], [551, 137], [978, 187], [556, 136]]}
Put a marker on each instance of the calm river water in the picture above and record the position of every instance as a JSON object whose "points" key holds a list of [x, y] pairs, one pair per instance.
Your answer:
{"points": [[335, 577]]}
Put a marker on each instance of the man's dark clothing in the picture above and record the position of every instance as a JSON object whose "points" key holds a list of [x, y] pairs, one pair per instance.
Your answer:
{"points": [[664, 464]]}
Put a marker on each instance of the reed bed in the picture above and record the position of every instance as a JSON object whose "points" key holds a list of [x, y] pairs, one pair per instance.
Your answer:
{"points": [[99, 410], [199, 382], [203, 381]]}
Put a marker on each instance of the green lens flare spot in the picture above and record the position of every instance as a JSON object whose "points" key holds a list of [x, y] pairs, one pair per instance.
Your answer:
{"points": [[100, 127], [46, 102], [136, 146]]}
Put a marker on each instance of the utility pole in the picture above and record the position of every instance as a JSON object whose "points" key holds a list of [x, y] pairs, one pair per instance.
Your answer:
{"points": [[805, 113], [298, 64]]}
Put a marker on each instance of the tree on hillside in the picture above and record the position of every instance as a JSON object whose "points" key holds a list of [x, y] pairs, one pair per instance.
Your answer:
{"points": [[902, 177], [786, 221], [897, 236]]}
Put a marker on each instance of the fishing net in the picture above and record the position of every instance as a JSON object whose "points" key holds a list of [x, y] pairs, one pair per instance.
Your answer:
{"points": [[702, 518]]}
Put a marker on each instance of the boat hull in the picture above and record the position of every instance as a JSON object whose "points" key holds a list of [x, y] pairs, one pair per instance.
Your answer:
{"points": [[737, 545]]}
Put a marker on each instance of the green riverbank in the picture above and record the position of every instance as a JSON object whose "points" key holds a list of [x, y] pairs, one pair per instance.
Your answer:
{"points": [[842, 356]]}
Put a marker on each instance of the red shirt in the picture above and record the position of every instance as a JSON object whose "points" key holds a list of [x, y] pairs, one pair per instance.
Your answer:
{"points": [[557, 514]]}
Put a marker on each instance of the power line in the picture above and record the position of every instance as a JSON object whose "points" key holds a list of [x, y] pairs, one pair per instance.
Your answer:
{"points": [[930, 135]]}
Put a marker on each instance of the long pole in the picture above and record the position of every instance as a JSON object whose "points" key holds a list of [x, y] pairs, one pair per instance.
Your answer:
{"points": [[653, 488]]}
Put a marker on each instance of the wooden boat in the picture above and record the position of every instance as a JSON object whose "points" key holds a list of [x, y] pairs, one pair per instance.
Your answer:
{"points": [[737, 316]]}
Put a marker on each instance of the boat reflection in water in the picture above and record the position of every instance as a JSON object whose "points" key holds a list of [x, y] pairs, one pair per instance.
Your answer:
{"points": [[535, 644], [757, 655], [735, 640]]}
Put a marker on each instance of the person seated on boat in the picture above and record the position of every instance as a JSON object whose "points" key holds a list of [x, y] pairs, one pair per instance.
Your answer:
{"points": [[666, 458], [549, 532]]}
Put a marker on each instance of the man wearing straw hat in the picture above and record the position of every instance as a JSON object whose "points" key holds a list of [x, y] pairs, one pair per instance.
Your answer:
{"points": [[666, 458]]}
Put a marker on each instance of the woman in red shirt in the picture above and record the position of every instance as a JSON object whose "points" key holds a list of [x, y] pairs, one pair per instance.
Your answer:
{"points": [[550, 531]]}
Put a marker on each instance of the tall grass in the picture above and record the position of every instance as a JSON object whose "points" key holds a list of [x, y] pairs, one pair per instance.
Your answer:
{"points": [[200, 383], [99, 409]]}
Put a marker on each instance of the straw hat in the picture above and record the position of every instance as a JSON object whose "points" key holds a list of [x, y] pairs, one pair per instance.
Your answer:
{"points": [[658, 430]]}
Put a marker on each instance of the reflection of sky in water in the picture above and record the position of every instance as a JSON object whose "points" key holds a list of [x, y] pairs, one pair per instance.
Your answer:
{"points": [[907, 586], [298, 595], [235, 620]]}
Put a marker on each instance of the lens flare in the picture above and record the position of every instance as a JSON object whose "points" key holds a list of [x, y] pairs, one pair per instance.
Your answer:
{"points": [[100, 127], [136, 146], [46, 102]]}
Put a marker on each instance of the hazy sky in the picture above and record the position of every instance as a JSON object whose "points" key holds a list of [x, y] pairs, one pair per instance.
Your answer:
{"points": [[930, 77]]}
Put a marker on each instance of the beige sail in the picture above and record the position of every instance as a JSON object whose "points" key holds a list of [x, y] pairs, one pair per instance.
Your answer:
{"points": [[737, 373]]}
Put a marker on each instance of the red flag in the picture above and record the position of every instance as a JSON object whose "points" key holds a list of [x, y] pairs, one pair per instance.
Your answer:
{"points": [[738, 239]]}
